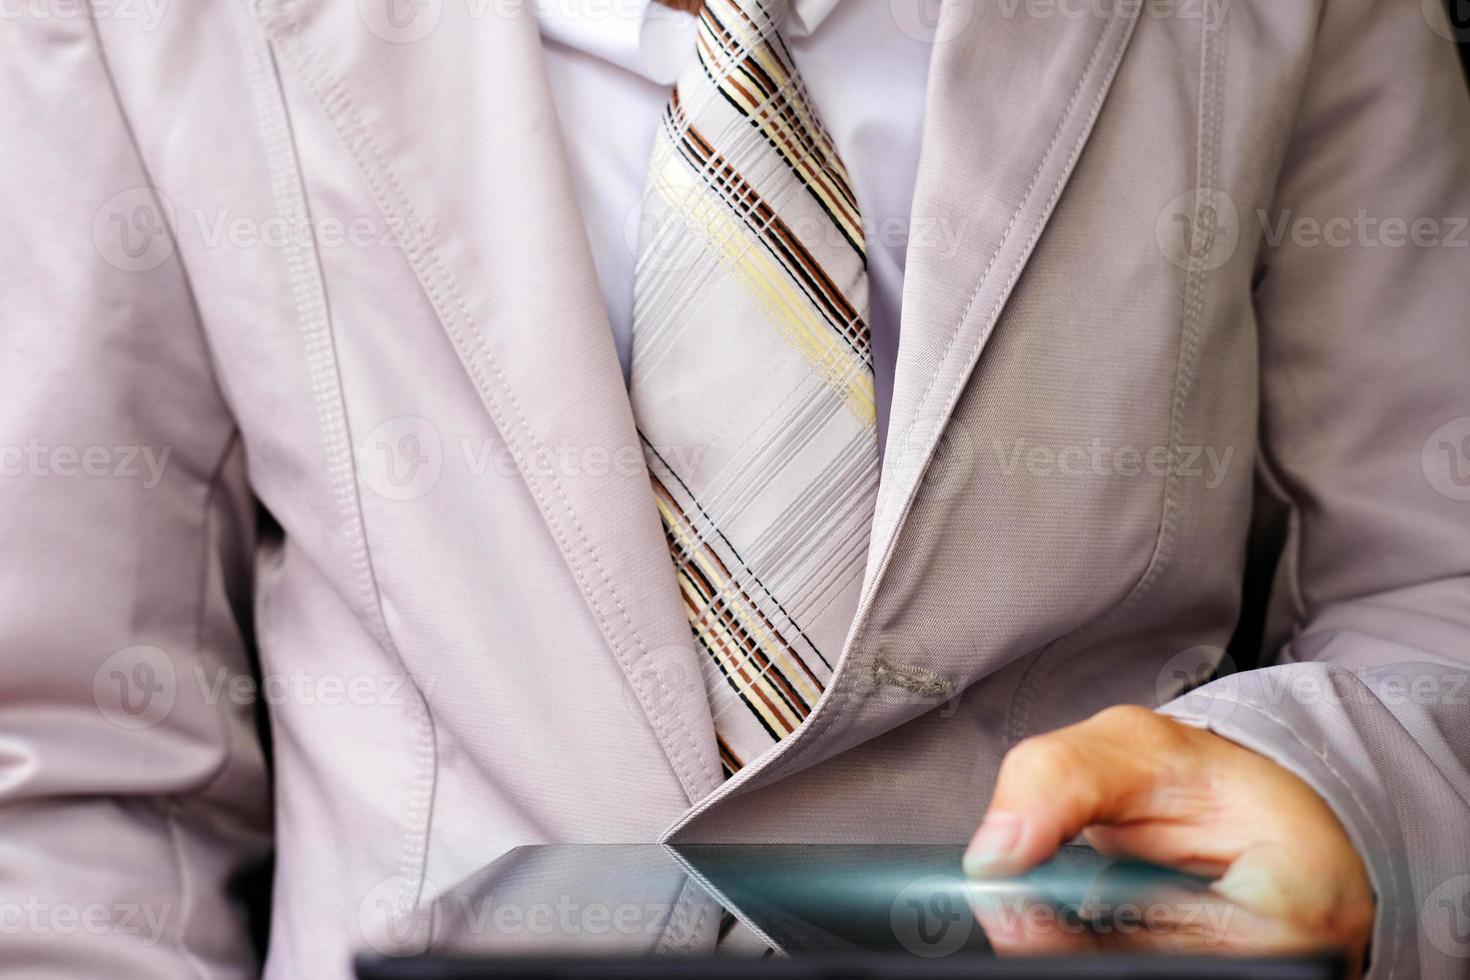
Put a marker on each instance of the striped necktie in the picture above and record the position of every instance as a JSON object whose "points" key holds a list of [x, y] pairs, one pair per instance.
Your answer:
{"points": [[752, 380]]}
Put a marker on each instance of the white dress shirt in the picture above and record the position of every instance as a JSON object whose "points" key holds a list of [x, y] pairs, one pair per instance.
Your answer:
{"points": [[612, 64]]}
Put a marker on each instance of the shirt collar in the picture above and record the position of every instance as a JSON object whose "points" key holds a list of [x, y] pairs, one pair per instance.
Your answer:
{"points": [[644, 37], [807, 15]]}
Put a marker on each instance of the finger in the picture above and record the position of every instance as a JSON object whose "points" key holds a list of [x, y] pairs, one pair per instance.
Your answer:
{"points": [[1107, 769], [1178, 845]]}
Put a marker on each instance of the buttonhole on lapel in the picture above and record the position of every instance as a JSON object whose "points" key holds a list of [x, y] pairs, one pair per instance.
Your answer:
{"points": [[920, 680]]}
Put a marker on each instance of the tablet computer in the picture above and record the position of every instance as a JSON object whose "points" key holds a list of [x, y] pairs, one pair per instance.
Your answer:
{"points": [[817, 911]]}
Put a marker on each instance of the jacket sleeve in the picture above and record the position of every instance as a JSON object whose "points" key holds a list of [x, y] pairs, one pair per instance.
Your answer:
{"points": [[132, 782], [1365, 436]]}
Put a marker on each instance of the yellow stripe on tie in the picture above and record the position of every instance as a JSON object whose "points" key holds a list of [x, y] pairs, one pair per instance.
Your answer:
{"points": [[767, 283]]}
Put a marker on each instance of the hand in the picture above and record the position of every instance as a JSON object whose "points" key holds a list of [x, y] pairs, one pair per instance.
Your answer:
{"points": [[1143, 785]]}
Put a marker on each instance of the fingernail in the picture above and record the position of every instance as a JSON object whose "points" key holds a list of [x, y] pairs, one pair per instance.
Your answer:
{"points": [[998, 833]]}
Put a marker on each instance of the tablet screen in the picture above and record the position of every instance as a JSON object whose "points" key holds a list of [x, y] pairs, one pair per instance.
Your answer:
{"points": [[802, 910]]}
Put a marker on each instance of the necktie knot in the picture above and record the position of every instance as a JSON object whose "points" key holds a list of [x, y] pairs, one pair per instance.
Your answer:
{"points": [[765, 16], [733, 31]]}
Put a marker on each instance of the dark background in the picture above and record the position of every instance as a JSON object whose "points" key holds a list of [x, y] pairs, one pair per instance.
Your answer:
{"points": [[1460, 20]]}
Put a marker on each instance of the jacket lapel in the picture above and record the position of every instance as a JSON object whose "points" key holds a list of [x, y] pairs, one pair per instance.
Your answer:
{"points": [[1012, 100], [447, 111], [1011, 104]]}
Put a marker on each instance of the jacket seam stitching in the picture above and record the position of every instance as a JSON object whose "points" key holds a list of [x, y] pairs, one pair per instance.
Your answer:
{"points": [[304, 271], [430, 278], [1212, 62]]}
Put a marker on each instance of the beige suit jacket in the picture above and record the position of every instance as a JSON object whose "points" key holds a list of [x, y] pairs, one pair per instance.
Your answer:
{"points": [[311, 415]]}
